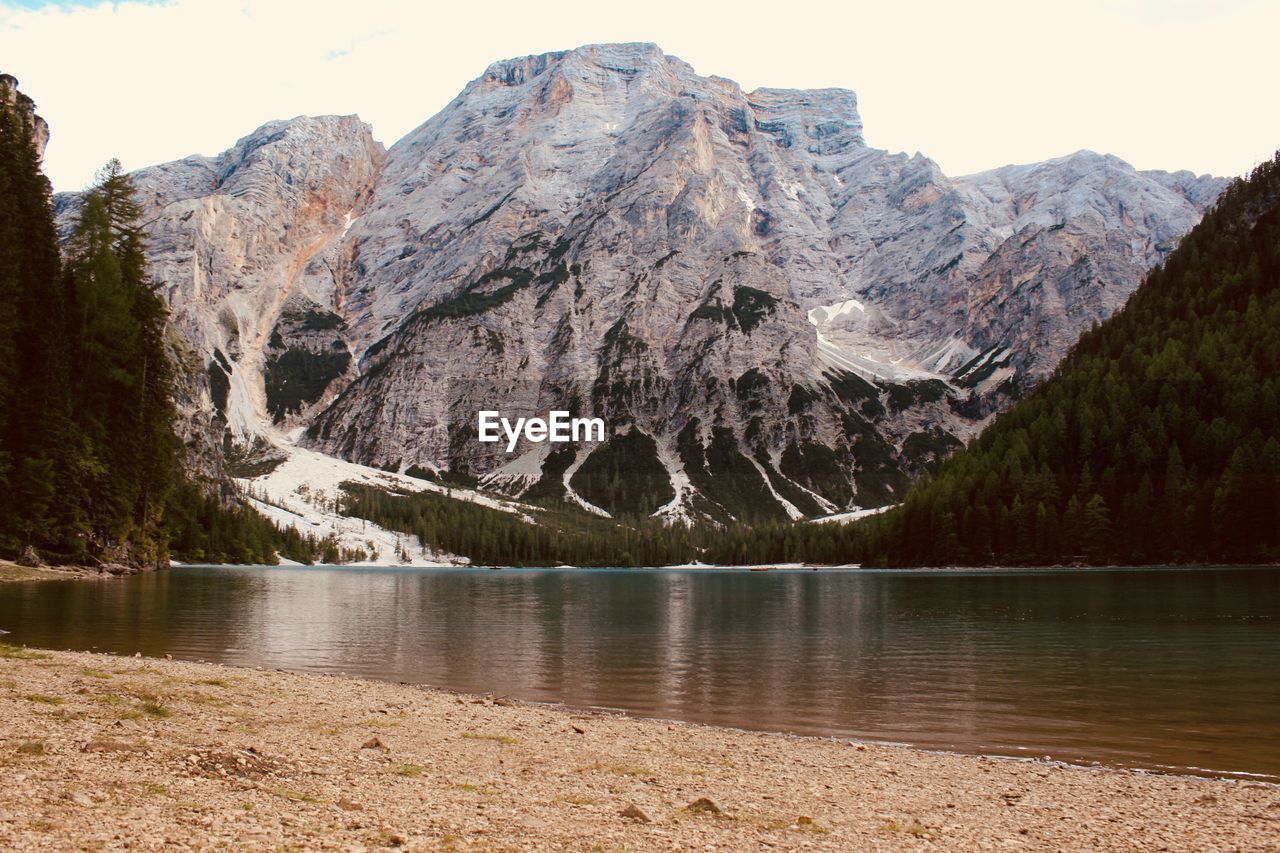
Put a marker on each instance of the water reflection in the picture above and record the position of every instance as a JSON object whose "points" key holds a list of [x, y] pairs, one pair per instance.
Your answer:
{"points": [[1147, 668]]}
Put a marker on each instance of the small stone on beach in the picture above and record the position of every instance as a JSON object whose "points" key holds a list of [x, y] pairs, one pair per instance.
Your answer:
{"points": [[703, 804], [634, 812]]}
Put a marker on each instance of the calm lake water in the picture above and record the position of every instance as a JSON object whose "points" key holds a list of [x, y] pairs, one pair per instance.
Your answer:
{"points": [[1176, 669]]}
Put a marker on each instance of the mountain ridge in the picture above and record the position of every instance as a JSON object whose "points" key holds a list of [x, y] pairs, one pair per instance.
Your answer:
{"points": [[604, 226], [1157, 440]]}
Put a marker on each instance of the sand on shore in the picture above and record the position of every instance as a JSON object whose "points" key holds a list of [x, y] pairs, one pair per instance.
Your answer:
{"points": [[101, 751]]}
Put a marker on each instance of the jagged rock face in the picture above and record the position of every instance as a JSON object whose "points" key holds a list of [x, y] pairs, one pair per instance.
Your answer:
{"points": [[38, 127], [604, 230], [773, 318], [1082, 230], [607, 232], [227, 238]]}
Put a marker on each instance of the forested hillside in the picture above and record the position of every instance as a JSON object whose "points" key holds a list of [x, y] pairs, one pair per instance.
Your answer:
{"points": [[89, 464], [87, 441], [1156, 440], [29, 281]]}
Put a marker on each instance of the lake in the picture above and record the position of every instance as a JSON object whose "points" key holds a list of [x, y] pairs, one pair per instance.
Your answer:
{"points": [[1168, 669]]}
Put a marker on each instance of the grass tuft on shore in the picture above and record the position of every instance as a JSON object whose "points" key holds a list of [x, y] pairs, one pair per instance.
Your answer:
{"points": [[617, 769], [296, 796], [469, 788], [506, 740], [577, 800], [912, 827], [19, 653]]}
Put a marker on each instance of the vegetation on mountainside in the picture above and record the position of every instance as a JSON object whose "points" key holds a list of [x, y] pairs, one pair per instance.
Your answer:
{"points": [[624, 476], [1156, 440], [87, 435], [298, 376], [494, 537], [207, 527], [89, 463]]}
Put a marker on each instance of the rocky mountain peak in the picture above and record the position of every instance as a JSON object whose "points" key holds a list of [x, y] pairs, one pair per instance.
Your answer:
{"points": [[826, 120], [625, 59]]}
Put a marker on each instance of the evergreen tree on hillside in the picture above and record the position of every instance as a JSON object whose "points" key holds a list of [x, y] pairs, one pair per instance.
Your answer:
{"points": [[33, 387], [120, 375]]}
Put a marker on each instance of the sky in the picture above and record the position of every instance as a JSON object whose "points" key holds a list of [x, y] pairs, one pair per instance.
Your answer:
{"points": [[1180, 84]]}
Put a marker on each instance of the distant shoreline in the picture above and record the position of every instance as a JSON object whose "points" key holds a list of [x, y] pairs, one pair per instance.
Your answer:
{"points": [[760, 568], [11, 572], [105, 747]]}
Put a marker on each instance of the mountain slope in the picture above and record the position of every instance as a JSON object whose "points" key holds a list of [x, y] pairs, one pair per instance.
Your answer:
{"points": [[605, 230], [227, 237], [773, 318], [1156, 440]]}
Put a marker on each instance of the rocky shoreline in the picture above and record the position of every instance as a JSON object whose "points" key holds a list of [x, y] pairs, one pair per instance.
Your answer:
{"points": [[16, 571], [11, 571], [110, 752]]}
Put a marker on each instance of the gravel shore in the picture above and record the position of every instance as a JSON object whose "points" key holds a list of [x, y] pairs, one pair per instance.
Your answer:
{"points": [[107, 752]]}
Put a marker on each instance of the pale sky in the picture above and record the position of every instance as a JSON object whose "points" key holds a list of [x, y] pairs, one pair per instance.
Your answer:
{"points": [[1180, 84]]}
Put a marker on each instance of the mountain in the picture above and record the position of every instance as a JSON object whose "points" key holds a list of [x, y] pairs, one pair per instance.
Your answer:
{"points": [[774, 319], [1156, 440], [227, 238]]}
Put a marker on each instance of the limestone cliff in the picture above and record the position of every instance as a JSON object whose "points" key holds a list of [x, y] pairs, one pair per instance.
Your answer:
{"points": [[36, 126]]}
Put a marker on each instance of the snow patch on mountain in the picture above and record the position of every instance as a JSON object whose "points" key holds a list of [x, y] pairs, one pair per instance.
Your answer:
{"points": [[676, 510], [852, 515], [304, 492], [787, 506], [518, 474], [572, 495]]}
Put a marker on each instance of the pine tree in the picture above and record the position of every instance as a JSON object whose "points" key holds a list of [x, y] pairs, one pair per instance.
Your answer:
{"points": [[122, 381], [33, 387]]}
